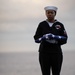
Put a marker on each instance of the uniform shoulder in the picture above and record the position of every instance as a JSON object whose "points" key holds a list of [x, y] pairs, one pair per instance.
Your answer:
{"points": [[42, 22], [60, 23]]}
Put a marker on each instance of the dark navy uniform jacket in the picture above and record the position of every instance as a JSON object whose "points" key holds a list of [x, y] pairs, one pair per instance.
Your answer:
{"points": [[56, 29]]}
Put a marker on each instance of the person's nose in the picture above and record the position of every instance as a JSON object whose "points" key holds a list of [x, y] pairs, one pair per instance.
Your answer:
{"points": [[50, 14]]}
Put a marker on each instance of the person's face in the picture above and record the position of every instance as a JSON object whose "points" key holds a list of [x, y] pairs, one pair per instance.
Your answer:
{"points": [[50, 14]]}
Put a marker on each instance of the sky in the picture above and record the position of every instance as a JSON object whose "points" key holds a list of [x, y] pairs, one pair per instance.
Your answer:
{"points": [[20, 18]]}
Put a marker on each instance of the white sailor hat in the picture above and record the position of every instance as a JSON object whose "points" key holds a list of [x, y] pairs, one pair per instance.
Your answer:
{"points": [[51, 8]]}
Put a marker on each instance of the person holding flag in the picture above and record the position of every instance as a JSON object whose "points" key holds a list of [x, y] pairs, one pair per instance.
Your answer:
{"points": [[51, 34]]}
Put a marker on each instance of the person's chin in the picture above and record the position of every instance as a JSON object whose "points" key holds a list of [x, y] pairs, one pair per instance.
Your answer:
{"points": [[50, 18]]}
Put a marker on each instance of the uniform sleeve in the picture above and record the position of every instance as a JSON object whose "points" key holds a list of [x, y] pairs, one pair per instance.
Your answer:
{"points": [[64, 34], [38, 32]]}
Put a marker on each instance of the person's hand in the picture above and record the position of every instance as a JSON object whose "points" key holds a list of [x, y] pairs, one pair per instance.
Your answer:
{"points": [[48, 36], [38, 40]]}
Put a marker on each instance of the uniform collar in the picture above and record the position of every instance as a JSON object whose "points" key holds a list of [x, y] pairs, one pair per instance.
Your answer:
{"points": [[51, 22]]}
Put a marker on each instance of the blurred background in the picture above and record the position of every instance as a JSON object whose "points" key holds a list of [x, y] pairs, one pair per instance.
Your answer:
{"points": [[18, 22], [20, 18]]}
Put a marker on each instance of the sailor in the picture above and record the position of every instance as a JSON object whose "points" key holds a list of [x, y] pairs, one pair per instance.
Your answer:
{"points": [[51, 34]]}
